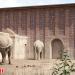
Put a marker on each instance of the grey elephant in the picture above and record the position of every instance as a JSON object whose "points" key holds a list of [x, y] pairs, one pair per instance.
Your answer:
{"points": [[38, 48], [5, 46]]}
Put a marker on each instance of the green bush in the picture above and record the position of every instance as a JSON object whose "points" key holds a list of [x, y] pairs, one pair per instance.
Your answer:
{"points": [[64, 66]]}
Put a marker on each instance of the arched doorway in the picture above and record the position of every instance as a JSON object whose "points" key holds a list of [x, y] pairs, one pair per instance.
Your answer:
{"points": [[57, 48]]}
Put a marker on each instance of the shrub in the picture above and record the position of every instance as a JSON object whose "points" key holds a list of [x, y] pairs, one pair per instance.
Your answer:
{"points": [[64, 66]]}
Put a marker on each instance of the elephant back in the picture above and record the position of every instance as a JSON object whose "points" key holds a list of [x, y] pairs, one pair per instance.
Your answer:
{"points": [[5, 40], [38, 43]]}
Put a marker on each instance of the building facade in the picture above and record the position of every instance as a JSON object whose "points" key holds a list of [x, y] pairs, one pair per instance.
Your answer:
{"points": [[52, 24]]}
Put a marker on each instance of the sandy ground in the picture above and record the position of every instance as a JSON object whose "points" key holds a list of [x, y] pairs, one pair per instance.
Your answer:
{"points": [[29, 67]]}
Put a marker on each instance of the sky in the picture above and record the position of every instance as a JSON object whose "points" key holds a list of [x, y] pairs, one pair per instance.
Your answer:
{"points": [[18, 3]]}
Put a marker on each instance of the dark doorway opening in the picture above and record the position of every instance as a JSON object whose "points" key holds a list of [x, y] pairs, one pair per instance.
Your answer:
{"points": [[57, 48]]}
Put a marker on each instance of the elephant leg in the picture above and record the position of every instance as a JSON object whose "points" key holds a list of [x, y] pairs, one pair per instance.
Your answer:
{"points": [[41, 56], [35, 55], [3, 57], [9, 56], [38, 55]]}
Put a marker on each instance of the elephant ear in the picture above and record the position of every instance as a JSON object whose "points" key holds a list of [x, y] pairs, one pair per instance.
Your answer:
{"points": [[5, 40]]}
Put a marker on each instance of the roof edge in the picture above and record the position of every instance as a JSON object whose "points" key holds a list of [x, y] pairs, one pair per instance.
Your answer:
{"points": [[37, 6]]}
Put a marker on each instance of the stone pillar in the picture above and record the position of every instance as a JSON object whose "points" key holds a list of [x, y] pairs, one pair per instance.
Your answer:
{"points": [[20, 48], [69, 32], [48, 53]]}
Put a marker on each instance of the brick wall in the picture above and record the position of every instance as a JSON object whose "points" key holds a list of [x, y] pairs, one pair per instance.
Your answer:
{"points": [[45, 23]]}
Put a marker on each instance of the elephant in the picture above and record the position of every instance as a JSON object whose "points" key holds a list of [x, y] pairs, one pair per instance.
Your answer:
{"points": [[5, 46], [8, 42], [38, 48], [18, 41]]}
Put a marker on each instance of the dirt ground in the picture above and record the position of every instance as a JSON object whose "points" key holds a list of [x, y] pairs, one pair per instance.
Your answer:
{"points": [[29, 67]]}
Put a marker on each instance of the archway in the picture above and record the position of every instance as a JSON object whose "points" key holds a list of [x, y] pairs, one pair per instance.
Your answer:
{"points": [[57, 48]]}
